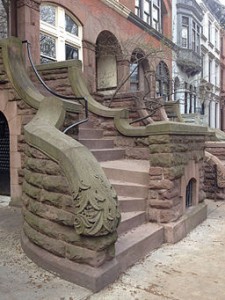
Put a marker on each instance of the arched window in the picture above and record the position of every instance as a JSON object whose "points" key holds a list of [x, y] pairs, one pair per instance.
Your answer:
{"points": [[162, 81], [139, 70], [60, 34]]}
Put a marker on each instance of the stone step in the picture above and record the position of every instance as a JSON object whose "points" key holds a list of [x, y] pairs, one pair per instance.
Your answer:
{"points": [[97, 143], [86, 133], [128, 204], [128, 189], [135, 244], [130, 220], [136, 171], [108, 154]]}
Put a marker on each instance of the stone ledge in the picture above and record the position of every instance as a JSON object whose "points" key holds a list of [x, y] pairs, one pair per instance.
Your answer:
{"points": [[176, 231]]}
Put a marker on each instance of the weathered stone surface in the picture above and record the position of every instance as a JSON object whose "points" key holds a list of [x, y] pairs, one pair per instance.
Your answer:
{"points": [[33, 179], [87, 256], [159, 139], [168, 148], [68, 234], [51, 213], [52, 245], [30, 190], [56, 184], [156, 171], [161, 184], [43, 166], [137, 153], [57, 199], [52, 229], [174, 172], [169, 159]]}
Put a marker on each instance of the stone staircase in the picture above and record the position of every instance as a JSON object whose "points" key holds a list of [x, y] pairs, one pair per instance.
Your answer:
{"points": [[137, 237]]}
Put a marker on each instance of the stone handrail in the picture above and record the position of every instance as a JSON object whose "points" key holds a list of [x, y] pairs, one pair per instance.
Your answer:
{"points": [[95, 201], [212, 160]]}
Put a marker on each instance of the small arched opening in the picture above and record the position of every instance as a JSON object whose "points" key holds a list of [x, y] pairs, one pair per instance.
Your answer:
{"points": [[190, 193], [4, 156]]}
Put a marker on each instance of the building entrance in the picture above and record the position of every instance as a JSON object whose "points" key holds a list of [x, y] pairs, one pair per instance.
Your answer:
{"points": [[4, 156]]}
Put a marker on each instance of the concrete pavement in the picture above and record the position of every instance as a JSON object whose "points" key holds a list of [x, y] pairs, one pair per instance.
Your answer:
{"points": [[192, 269]]}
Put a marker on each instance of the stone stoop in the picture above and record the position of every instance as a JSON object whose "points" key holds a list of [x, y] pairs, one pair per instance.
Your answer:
{"points": [[102, 148], [137, 238]]}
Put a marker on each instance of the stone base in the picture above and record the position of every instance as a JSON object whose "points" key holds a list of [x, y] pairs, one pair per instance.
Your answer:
{"points": [[15, 201], [89, 277], [176, 231]]}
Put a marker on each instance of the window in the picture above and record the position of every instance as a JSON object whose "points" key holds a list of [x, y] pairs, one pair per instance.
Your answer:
{"points": [[210, 31], [162, 81], [190, 99], [60, 35], [190, 34], [185, 32], [134, 76], [150, 12], [216, 38], [203, 66], [216, 75], [210, 70]]}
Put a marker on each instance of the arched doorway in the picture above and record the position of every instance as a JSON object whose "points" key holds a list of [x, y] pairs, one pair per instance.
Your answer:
{"points": [[4, 156]]}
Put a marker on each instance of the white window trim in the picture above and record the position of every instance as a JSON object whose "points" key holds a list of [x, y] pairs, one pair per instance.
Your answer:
{"points": [[61, 35]]}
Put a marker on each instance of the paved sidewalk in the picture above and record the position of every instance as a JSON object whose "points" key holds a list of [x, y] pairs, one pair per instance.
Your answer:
{"points": [[192, 269]]}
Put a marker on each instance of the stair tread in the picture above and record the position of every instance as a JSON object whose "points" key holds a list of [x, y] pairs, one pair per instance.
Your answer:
{"points": [[107, 149], [135, 235], [128, 164], [128, 215], [128, 198], [127, 183]]}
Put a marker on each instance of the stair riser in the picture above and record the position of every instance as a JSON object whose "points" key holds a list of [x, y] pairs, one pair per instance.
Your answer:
{"points": [[111, 154], [128, 191], [131, 223], [132, 205], [85, 133], [126, 175], [97, 144], [132, 254]]}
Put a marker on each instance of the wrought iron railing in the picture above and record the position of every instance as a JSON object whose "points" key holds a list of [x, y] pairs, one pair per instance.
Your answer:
{"points": [[64, 97]]}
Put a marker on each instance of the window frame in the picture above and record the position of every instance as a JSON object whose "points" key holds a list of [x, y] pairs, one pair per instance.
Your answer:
{"points": [[148, 15], [60, 34], [193, 32]]}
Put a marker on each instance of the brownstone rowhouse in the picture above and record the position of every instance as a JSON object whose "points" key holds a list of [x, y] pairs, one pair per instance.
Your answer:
{"points": [[109, 34]]}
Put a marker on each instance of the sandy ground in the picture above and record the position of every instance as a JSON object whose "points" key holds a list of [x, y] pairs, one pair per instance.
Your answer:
{"points": [[192, 269]]}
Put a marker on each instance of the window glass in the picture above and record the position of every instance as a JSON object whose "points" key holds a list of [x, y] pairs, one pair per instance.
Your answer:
{"points": [[48, 14], [71, 52], [47, 47], [134, 76], [70, 25]]}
